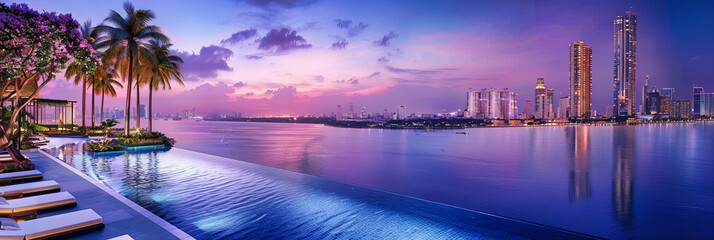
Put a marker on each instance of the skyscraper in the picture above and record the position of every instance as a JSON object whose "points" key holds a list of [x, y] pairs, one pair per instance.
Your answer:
{"points": [[563, 107], [352, 111], [471, 103], [625, 64], [339, 113], [645, 88], [543, 100], [580, 100], [652, 103], [494, 104], [402, 113], [507, 105], [664, 105], [668, 92], [707, 104], [528, 108], [681, 109], [697, 101]]}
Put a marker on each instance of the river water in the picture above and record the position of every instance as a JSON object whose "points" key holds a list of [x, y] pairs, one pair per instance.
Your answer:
{"points": [[645, 181]]}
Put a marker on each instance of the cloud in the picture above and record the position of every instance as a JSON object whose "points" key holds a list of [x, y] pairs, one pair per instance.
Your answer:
{"points": [[240, 36], [250, 94], [417, 71], [352, 80], [383, 60], [340, 44], [268, 4], [384, 42], [357, 29], [319, 78], [343, 24], [352, 31], [253, 56], [282, 40], [373, 75], [239, 84], [206, 63], [284, 92]]}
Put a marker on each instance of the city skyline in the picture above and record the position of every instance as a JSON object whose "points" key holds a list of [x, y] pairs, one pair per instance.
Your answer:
{"points": [[428, 60]]}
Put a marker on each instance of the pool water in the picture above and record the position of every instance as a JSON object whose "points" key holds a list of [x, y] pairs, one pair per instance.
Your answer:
{"points": [[211, 197]]}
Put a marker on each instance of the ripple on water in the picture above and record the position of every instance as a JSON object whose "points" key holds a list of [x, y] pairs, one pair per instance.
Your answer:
{"points": [[224, 200]]}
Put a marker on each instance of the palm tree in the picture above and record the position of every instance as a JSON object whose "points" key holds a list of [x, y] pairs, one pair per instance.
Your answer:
{"points": [[125, 43], [92, 81], [104, 85], [167, 68], [78, 71]]}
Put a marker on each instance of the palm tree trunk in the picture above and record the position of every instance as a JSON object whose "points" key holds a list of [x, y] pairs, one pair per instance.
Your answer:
{"points": [[138, 110], [151, 90], [101, 111], [93, 101], [128, 94], [84, 99]]}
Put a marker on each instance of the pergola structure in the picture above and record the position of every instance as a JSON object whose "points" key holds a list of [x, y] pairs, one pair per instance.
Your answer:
{"points": [[51, 111]]}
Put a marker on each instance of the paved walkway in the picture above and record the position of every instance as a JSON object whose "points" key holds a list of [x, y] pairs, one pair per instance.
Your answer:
{"points": [[121, 215]]}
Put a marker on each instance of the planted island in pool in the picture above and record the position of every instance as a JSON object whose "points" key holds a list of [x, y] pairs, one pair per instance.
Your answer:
{"points": [[129, 141]]}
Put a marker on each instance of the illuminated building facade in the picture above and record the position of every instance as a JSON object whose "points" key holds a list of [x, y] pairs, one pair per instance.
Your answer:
{"points": [[543, 100], [581, 80], [625, 64]]}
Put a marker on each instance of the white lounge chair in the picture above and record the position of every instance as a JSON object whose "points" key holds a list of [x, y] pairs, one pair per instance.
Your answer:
{"points": [[11, 177], [52, 226], [30, 205], [21, 189]]}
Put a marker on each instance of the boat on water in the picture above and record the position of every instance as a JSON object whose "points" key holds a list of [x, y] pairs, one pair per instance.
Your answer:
{"points": [[464, 133], [177, 118]]}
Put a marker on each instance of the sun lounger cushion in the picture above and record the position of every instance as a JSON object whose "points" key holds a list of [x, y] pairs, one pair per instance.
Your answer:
{"points": [[20, 175], [60, 224], [28, 188], [54, 226], [8, 224], [33, 204]]}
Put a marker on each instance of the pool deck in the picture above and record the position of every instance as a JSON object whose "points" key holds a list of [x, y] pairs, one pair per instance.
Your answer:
{"points": [[121, 216]]}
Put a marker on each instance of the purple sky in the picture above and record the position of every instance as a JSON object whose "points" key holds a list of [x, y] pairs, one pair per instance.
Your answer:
{"points": [[275, 57]]}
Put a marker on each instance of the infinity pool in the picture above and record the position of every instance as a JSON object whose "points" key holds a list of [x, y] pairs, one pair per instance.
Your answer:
{"points": [[211, 197]]}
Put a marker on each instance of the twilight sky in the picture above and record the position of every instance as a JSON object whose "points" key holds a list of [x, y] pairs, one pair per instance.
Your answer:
{"points": [[275, 57]]}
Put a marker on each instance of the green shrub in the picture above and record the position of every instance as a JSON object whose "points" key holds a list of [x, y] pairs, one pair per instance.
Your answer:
{"points": [[144, 139], [103, 146]]}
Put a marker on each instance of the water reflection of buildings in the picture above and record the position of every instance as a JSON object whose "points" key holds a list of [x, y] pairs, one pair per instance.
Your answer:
{"points": [[579, 186], [622, 183]]}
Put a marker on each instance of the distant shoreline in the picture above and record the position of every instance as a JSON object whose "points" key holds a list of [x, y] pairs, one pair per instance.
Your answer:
{"points": [[441, 124]]}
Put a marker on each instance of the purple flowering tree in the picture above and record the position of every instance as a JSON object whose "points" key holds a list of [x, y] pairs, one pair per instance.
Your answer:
{"points": [[33, 47]]}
